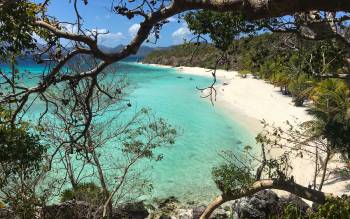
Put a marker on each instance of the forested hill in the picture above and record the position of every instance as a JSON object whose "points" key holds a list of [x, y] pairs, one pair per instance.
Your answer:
{"points": [[292, 64], [205, 55], [266, 55]]}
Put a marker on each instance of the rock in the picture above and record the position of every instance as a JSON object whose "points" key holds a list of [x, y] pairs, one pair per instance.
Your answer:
{"points": [[167, 208], [219, 214], [197, 211], [6, 213], [84, 210], [258, 206], [162, 203], [245, 209], [296, 201], [165, 217], [185, 213], [135, 210], [69, 209]]}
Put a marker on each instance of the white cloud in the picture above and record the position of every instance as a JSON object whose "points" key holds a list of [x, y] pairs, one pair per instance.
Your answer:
{"points": [[133, 29], [99, 31], [181, 34], [69, 28], [106, 38], [172, 19], [110, 39]]}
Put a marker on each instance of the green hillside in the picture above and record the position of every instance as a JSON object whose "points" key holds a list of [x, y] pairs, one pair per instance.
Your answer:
{"points": [[284, 60]]}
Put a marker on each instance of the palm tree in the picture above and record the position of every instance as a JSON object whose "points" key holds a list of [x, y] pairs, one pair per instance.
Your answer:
{"points": [[331, 111], [300, 88], [281, 80]]}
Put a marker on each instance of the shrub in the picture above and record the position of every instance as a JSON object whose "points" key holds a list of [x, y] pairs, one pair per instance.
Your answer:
{"points": [[300, 89], [334, 208], [229, 177], [244, 73], [88, 192]]}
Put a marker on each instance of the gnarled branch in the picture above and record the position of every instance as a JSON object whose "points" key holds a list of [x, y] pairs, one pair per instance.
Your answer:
{"points": [[288, 186]]}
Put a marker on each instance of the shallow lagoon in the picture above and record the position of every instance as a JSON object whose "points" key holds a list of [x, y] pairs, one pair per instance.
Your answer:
{"points": [[205, 130]]}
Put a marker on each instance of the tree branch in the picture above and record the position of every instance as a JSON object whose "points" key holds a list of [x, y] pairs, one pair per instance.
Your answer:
{"points": [[288, 186]]}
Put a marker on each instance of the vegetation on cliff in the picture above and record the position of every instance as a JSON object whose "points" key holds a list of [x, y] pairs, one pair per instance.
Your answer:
{"points": [[314, 47]]}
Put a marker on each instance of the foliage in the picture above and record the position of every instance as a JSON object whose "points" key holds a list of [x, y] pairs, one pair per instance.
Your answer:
{"points": [[24, 203], [21, 162], [20, 149], [324, 57], [229, 177], [133, 137], [244, 73], [281, 80], [331, 110], [16, 30], [180, 55], [300, 88], [87, 192], [334, 208], [315, 57], [145, 138], [22, 152], [237, 172], [291, 63], [338, 207], [222, 28], [291, 211]]}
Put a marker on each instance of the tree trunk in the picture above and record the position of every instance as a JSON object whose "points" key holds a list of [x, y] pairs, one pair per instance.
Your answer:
{"points": [[324, 170], [288, 186], [260, 169], [316, 168], [70, 171], [212, 206], [100, 176]]}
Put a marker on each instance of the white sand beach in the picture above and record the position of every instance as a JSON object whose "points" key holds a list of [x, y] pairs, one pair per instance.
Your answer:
{"points": [[251, 100]]}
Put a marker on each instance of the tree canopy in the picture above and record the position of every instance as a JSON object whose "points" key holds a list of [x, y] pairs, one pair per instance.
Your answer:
{"points": [[297, 66], [24, 19]]}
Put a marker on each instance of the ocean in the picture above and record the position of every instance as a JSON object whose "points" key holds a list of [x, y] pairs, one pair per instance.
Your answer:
{"points": [[204, 129]]}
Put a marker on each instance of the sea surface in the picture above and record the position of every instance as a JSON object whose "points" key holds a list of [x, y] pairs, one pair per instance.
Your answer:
{"points": [[204, 130]]}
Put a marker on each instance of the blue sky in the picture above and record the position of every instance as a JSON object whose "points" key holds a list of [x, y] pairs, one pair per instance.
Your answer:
{"points": [[97, 15]]}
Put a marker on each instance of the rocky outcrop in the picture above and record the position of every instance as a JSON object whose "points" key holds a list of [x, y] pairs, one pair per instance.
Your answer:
{"points": [[258, 206], [294, 201], [261, 205], [83, 210], [197, 211], [135, 210], [6, 214]]}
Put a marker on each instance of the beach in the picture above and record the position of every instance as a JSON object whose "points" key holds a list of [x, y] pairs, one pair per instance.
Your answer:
{"points": [[249, 101]]}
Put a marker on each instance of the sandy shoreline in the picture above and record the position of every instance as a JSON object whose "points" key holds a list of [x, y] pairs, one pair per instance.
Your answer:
{"points": [[245, 95], [250, 100]]}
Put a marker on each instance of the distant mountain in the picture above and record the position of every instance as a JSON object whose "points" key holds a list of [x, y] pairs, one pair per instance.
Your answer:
{"points": [[143, 51]]}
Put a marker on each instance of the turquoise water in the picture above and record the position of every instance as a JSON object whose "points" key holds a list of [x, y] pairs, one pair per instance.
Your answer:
{"points": [[185, 171], [205, 130]]}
